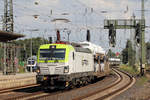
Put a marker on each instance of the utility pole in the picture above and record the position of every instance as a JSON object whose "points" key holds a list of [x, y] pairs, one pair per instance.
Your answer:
{"points": [[142, 42], [135, 48], [32, 30], [132, 37], [143, 9], [8, 16], [8, 27], [2, 17]]}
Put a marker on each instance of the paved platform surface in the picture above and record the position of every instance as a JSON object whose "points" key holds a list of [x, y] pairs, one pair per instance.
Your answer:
{"points": [[9, 81]]}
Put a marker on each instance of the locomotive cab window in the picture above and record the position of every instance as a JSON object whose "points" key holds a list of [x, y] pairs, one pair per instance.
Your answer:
{"points": [[52, 54]]}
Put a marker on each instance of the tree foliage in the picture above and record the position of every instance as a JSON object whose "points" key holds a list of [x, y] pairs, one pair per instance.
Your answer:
{"points": [[111, 54], [125, 56], [128, 54], [25, 45], [148, 45], [148, 50]]}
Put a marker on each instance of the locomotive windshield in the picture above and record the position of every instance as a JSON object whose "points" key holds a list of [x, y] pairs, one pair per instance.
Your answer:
{"points": [[52, 54]]}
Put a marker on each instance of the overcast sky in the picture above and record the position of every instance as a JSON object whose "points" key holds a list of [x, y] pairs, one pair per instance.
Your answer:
{"points": [[83, 15]]}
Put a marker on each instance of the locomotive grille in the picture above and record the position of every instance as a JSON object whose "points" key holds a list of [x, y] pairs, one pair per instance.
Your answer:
{"points": [[44, 70], [59, 70]]}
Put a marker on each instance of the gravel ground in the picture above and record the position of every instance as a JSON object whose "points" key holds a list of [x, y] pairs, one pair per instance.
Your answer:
{"points": [[136, 92]]}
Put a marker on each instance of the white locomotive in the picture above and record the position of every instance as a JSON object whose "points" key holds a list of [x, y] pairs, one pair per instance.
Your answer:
{"points": [[64, 65]]}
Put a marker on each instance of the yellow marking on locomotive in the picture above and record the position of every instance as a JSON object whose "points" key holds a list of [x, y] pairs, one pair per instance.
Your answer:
{"points": [[68, 48]]}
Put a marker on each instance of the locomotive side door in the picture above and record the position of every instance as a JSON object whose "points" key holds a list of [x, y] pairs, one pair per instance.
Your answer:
{"points": [[72, 61]]}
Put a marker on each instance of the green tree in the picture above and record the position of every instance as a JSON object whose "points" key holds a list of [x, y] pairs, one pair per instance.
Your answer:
{"points": [[125, 56], [148, 51], [128, 54], [148, 45], [26, 44], [111, 54]]}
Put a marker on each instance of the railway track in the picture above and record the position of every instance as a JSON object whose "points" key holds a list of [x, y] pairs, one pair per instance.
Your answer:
{"points": [[16, 92], [53, 94], [16, 88], [123, 82]]}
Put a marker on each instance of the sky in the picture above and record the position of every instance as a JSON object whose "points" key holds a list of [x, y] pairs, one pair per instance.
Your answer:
{"points": [[82, 14]]}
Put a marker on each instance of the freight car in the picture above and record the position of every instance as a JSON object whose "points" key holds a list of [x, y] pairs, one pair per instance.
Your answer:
{"points": [[65, 65]]}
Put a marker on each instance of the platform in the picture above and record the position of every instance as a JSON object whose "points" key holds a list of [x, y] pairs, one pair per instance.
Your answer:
{"points": [[10, 81]]}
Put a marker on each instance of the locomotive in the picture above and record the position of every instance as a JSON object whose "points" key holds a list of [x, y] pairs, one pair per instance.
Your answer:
{"points": [[65, 65]]}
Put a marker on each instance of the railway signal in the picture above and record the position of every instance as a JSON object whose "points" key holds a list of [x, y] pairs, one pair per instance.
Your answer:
{"points": [[137, 33], [112, 35], [88, 35], [138, 25]]}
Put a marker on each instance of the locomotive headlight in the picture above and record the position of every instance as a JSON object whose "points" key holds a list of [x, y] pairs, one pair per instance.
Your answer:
{"points": [[38, 70], [66, 69]]}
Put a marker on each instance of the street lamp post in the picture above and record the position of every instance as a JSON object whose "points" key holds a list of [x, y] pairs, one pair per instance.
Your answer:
{"points": [[31, 45], [32, 30]]}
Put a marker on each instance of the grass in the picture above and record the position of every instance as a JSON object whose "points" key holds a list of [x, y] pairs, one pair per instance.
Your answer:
{"points": [[142, 80], [133, 71], [21, 69]]}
